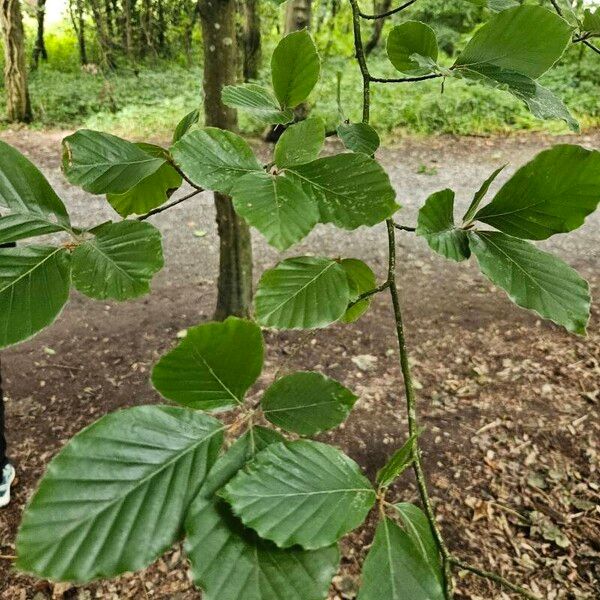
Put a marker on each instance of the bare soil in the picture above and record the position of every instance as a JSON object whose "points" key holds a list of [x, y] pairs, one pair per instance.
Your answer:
{"points": [[510, 403]]}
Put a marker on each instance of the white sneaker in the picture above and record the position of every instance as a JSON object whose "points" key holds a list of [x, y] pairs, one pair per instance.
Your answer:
{"points": [[7, 477]]}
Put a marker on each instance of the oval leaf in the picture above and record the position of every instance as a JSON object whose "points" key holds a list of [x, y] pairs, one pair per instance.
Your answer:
{"points": [[213, 366], [525, 39], [307, 403], [186, 124], [216, 537], [302, 293], [395, 570], [276, 206], [359, 137], [301, 493], [214, 159], [351, 189], [115, 498], [553, 193], [397, 464], [533, 279], [300, 143], [34, 287], [34, 207], [295, 68], [407, 39], [119, 261], [258, 101], [101, 163]]}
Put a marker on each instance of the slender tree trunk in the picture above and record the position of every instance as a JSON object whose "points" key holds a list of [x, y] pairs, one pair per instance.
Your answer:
{"points": [[189, 30], [373, 41], [220, 69], [18, 105], [162, 26], [298, 15], [39, 49], [104, 40], [252, 40], [78, 20]]}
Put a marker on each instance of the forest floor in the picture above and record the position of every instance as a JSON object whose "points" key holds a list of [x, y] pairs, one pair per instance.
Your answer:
{"points": [[510, 404]]}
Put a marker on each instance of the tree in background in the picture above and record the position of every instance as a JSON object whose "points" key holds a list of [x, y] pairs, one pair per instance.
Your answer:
{"points": [[298, 15], [218, 19], [251, 39], [78, 19], [39, 49], [18, 105]]}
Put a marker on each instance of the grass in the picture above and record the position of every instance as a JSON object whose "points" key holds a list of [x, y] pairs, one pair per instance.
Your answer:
{"points": [[148, 101]]}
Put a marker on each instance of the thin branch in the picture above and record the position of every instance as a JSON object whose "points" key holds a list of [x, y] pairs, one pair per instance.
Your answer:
{"points": [[495, 578], [365, 295], [160, 209], [404, 227], [557, 7], [411, 406], [389, 13], [362, 60], [404, 79], [592, 46], [185, 177]]}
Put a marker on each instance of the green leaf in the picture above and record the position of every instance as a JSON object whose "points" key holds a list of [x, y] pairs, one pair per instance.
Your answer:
{"points": [[214, 159], [436, 225], [302, 293], [213, 366], [359, 137], [276, 206], [553, 193], [542, 103], [351, 189], [395, 570], [300, 143], [526, 39], [307, 403], [301, 493], [496, 5], [119, 261], [361, 279], [407, 39], [101, 163], [480, 195], [34, 206], [115, 498], [419, 531], [591, 20], [295, 68], [217, 543], [186, 124], [150, 192], [34, 287], [397, 464], [533, 279], [258, 101]]}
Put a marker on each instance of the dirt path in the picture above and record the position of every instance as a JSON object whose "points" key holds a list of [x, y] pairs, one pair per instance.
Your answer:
{"points": [[510, 403]]}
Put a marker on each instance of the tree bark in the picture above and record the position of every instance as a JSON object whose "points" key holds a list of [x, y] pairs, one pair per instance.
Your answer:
{"points": [[18, 105], [373, 41], [298, 15], [39, 49], [104, 40], [77, 18], [252, 40], [218, 18]]}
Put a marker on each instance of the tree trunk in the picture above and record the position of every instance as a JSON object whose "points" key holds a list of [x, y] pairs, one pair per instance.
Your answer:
{"points": [[39, 49], [252, 40], [127, 28], [218, 18], [373, 41], [18, 105], [79, 27], [298, 15], [104, 41]]}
